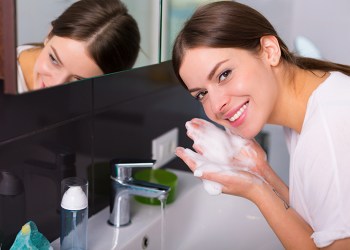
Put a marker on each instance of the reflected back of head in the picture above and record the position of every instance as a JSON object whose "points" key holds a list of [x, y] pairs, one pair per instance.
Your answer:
{"points": [[111, 33]]}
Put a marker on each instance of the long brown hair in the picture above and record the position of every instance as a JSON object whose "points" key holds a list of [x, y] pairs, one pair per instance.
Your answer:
{"points": [[111, 32], [228, 24]]}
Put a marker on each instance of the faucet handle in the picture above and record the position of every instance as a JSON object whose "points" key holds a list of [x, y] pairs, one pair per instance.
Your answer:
{"points": [[121, 169]]}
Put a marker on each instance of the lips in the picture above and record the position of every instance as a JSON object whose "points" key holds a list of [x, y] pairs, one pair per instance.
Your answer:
{"points": [[235, 118]]}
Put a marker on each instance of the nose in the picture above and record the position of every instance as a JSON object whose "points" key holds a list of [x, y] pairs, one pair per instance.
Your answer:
{"points": [[218, 100]]}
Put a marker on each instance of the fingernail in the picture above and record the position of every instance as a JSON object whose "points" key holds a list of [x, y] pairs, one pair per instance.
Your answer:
{"points": [[178, 150]]}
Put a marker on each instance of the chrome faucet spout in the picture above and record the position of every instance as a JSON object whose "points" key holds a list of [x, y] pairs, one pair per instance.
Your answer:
{"points": [[123, 186], [147, 189]]}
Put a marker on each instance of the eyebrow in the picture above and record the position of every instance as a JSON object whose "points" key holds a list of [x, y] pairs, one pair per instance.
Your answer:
{"points": [[212, 72], [59, 60]]}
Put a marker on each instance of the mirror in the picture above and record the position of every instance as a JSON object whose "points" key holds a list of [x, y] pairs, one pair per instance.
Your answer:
{"points": [[174, 14], [26, 22]]}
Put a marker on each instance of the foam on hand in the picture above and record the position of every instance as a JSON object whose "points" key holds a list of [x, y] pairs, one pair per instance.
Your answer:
{"points": [[221, 151]]}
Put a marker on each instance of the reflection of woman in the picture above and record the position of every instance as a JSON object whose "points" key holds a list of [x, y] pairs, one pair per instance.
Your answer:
{"points": [[90, 38], [231, 59]]}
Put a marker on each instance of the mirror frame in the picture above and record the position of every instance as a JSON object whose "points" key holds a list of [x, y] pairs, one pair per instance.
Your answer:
{"points": [[9, 46]]}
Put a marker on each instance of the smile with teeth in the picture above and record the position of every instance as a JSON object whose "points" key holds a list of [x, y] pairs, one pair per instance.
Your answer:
{"points": [[238, 113]]}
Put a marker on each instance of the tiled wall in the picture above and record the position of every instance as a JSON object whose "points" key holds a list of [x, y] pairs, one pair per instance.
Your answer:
{"points": [[77, 129]]}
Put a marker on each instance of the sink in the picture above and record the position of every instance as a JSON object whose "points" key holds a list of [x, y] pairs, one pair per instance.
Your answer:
{"points": [[195, 220]]}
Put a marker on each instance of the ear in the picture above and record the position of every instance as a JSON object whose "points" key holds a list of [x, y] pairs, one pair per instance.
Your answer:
{"points": [[270, 49]]}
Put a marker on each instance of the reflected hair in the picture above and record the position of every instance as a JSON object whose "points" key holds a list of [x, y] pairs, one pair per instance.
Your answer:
{"points": [[229, 24], [112, 34]]}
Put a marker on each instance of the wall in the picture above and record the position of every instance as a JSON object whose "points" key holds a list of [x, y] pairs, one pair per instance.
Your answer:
{"points": [[328, 27], [78, 128], [324, 23], [38, 27]]}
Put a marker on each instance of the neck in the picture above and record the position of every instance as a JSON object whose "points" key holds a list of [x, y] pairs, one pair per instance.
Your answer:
{"points": [[295, 91]]}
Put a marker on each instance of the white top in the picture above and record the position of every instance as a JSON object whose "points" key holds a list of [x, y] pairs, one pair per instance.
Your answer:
{"points": [[21, 83], [319, 175], [74, 199]]}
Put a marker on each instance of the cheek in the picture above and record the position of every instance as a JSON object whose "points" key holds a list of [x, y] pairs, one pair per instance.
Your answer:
{"points": [[208, 111]]}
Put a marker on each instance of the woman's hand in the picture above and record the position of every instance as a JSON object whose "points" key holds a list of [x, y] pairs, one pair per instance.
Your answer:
{"points": [[218, 177], [223, 147]]}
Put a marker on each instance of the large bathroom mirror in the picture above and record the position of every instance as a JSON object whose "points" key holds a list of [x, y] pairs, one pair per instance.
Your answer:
{"points": [[27, 22]]}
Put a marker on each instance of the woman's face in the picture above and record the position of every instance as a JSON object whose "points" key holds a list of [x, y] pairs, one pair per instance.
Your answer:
{"points": [[236, 87], [63, 60]]}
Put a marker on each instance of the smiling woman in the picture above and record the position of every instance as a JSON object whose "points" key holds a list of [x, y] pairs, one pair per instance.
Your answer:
{"points": [[231, 59], [90, 38], [61, 60]]}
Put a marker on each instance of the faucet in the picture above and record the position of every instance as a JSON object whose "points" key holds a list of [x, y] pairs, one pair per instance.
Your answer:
{"points": [[123, 186]]}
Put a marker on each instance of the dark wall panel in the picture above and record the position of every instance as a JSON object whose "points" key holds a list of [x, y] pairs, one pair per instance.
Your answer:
{"points": [[77, 129], [25, 114]]}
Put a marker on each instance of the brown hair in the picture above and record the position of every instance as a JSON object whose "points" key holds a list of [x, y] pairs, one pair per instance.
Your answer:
{"points": [[228, 24], [111, 32]]}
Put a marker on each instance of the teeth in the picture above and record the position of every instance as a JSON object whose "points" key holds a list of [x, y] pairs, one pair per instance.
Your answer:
{"points": [[238, 114]]}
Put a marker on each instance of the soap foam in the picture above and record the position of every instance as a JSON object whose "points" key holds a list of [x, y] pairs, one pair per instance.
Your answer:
{"points": [[220, 151]]}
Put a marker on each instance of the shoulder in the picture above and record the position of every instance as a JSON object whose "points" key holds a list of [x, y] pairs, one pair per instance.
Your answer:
{"points": [[324, 139], [330, 102], [26, 47], [335, 84]]}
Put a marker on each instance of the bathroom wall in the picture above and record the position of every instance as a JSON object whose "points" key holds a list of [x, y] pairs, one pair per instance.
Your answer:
{"points": [[77, 129], [324, 23]]}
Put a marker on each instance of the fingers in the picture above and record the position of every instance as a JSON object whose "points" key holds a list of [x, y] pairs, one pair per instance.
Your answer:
{"points": [[213, 188], [197, 163], [199, 122], [197, 148], [193, 130], [208, 167], [181, 153], [192, 159], [197, 128]]}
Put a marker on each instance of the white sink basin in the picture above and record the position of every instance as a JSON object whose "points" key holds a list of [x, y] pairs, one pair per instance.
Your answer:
{"points": [[195, 220]]}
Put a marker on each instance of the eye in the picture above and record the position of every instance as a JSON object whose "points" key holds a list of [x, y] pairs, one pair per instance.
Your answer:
{"points": [[200, 95], [78, 78], [224, 75], [75, 78], [53, 59]]}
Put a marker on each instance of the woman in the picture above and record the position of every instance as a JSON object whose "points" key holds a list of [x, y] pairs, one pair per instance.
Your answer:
{"points": [[230, 58], [90, 38]]}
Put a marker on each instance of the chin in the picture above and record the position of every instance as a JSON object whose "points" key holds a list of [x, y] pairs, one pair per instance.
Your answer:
{"points": [[246, 133]]}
